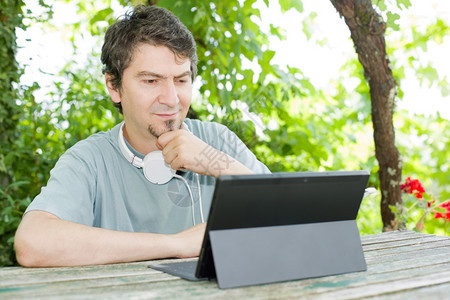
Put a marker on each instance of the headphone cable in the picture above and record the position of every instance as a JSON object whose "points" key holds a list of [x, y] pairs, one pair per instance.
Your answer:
{"points": [[192, 197]]}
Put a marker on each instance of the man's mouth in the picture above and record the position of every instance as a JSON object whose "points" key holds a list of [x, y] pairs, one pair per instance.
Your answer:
{"points": [[167, 115]]}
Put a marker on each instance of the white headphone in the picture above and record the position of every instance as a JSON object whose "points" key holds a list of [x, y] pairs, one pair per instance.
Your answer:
{"points": [[153, 165], [156, 170]]}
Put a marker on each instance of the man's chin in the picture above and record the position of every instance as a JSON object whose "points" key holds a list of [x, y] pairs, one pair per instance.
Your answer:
{"points": [[169, 125], [173, 124]]}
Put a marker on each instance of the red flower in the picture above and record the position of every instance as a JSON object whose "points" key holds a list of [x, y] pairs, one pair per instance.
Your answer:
{"points": [[438, 215], [445, 204], [444, 215], [413, 186]]}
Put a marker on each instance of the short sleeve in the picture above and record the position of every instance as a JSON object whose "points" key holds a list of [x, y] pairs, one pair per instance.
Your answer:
{"points": [[70, 191]]}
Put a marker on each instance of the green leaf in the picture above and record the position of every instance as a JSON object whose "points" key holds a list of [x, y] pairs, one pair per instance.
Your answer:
{"points": [[288, 4], [381, 5], [391, 19], [403, 4], [102, 15]]}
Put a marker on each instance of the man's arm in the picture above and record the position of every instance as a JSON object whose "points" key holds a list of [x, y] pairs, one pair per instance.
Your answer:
{"points": [[44, 240], [183, 150]]}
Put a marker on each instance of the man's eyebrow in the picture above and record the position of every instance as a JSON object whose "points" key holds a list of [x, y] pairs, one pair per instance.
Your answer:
{"points": [[149, 74], [187, 73], [157, 75]]}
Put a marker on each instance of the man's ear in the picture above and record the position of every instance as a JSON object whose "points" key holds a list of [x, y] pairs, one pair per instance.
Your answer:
{"points": [[113, 92]]}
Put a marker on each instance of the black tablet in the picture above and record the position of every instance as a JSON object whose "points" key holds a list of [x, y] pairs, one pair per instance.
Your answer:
{"points": [[274, 201]]}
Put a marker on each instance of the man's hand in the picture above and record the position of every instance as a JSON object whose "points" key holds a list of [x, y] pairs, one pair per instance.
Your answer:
{"points": [[182, 150]]}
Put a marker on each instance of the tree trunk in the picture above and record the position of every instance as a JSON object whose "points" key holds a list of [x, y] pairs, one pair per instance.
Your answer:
{"points": [[367, 32]]}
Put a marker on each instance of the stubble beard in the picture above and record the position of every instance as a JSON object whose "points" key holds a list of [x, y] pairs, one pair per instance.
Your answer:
{"points": [[170, 126]]}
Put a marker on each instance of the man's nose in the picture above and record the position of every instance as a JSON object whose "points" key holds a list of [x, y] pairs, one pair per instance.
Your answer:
{"points": [[169, 94]]}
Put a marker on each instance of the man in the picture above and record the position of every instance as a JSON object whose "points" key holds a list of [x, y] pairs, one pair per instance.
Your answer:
{"points": [[102, 204]]}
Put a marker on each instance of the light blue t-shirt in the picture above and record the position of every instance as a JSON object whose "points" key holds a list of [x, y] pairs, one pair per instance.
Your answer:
{"points": [[94, 184]]}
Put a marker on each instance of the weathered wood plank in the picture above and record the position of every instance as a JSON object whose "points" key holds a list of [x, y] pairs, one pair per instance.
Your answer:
{"points": [[67, 276], [140, 273], [405, 242], [11, 275], [420, 253], [128, 284], [444, 247], [391, 236], [428, 292], [18, 275], [399, 263], [208, 290], [372, 290], [31, 276]]}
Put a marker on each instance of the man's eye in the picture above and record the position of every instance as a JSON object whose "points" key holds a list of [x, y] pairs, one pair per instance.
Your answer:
{"points": [[150, 81]]}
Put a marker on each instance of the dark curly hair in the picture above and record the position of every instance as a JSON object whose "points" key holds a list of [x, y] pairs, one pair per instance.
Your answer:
{"points": [[145, 25]]}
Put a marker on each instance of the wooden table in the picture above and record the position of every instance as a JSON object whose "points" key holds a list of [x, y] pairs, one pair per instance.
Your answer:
{"points": [[401, 265]]}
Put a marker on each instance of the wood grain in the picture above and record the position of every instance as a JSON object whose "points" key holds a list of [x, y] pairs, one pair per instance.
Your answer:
{"points": [[401, 265]]}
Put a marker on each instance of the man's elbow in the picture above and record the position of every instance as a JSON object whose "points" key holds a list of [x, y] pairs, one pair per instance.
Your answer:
{"points": [[25, 254], [25, 258], [28, 250]]}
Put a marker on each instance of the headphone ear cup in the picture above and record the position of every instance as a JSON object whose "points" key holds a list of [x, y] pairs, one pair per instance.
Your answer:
{"points": [[155, 168]]}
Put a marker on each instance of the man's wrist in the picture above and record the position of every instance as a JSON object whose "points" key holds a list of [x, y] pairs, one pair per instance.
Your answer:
{"points": [[230, 166]]}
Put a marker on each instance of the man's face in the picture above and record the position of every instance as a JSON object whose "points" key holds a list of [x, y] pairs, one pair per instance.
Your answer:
{"points": [[156, 92]]}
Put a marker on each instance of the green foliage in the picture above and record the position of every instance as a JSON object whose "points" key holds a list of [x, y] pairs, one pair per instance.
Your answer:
{"points": [[423, 142], [417, 39], [76, 107], [10, 208], [289, 4], [392, 17], [420, 210], [369, 219], [422, 139], [10, 18]]}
